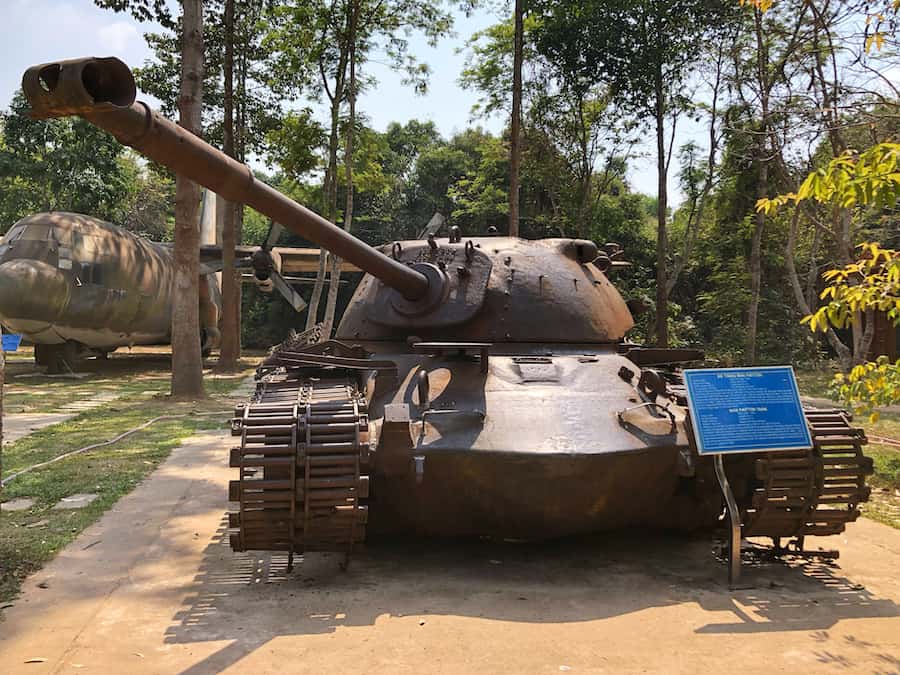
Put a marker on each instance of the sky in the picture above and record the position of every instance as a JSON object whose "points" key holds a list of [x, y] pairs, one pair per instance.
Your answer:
{"points": [[37, 31]]}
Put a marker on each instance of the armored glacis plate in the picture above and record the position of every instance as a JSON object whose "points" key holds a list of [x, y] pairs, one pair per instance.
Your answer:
{"points": [[458, 276]]}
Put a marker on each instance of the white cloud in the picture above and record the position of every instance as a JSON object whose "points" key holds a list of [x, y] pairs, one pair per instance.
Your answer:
{"points": [[118, 36]]}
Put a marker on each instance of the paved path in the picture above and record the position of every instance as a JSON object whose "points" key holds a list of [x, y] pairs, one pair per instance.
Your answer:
{"points": [[154, 588], [19, 425]]}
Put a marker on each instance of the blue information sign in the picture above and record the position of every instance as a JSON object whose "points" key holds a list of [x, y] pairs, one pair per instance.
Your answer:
{"points": [[746, 410], [11, 342]]}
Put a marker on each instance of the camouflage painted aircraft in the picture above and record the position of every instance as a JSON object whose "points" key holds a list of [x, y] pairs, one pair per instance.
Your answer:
{"points": [[76, 286]]}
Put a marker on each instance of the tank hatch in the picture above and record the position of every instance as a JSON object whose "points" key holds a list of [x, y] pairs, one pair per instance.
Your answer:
{"points": [[494, 289]]}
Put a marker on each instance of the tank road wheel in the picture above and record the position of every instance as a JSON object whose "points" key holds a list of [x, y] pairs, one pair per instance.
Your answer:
{"points": [[815, 492], [302, 461]]}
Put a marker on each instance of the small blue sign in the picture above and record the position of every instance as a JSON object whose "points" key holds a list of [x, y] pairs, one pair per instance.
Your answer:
{"points": [[746, 410], [11, 342]]}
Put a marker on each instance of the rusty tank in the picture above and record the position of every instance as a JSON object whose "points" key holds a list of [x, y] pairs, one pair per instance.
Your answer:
{"points": [[476, 386]]}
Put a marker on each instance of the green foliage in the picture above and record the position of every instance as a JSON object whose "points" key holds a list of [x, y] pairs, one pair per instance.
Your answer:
{"points": [[59, 164], [868, 386], [142, 10], [257, 91], [489, 66], [871, 177], [635, 48], [147, 209], [871, 283], [295, 144]]}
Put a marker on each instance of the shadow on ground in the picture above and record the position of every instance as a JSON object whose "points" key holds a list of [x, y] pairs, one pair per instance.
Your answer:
{"points": [[251, 599]]}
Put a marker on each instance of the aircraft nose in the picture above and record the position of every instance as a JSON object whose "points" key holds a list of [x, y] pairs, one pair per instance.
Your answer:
{"points": [[32, 290]]}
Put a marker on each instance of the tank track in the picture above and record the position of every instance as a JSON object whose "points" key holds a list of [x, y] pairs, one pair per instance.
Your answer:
{"points": [[302, 465], [811, 492]]}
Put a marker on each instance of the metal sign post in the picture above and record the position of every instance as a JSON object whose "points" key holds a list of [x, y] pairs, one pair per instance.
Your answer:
{"points": [[740, 410], [734, 517]]}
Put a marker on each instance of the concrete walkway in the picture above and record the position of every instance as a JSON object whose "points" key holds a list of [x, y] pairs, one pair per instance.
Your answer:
{"points": [[154, 588], [19, 425]]}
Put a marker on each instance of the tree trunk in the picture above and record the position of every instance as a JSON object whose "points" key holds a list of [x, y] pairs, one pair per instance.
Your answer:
{"points": [[329, 188], [839, 347], [335, 272], [662, 243], [515, 133], [759, 223], [187, 363], [229, 350], [586, 170], [762, 188]]}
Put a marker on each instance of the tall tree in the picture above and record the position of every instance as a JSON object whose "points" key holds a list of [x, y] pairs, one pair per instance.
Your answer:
{"points": [[314, 40], [334, 272], [187, 361], [515, 130], [643, 51], [230, 346], [579, 122]]}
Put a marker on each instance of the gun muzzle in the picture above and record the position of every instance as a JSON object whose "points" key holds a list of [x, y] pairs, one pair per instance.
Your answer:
{"points": [[78, 86]]}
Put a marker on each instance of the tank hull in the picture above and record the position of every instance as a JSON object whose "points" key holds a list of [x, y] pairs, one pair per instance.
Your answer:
{"points": [[532, 497], [530, 449]]}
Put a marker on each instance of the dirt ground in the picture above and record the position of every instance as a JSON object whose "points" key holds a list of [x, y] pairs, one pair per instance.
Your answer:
{"points": [[154, 588]]}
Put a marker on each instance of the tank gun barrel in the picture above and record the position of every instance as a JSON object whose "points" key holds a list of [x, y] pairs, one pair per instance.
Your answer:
{"points": [[102, 91]]}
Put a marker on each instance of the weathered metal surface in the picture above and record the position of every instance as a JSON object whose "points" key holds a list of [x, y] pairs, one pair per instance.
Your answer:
{"points": [[302, 466], [815, 492], [77, 285], [534, 293], [70, 280]]}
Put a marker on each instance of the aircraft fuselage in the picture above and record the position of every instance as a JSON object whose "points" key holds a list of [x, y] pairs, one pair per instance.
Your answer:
{"points": [[70, 278]]}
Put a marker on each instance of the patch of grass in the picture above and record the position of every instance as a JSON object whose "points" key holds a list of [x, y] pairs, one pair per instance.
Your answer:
{"points": [[884, 505], [886, 457], [815, 382], [29, 390], [887, 466], [110, 472]]}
